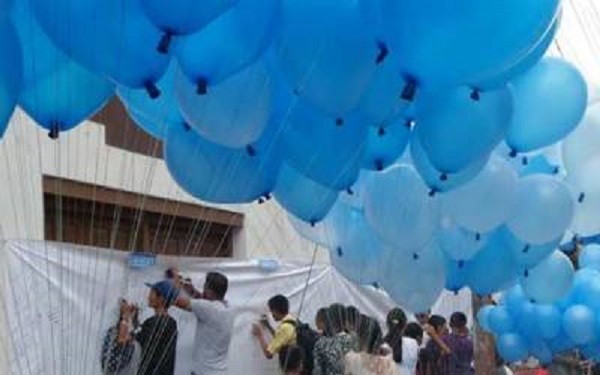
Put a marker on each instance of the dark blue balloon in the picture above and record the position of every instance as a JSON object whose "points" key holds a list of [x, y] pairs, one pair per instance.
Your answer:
{"points": [[456, 129], [154, 115], [220, 174], [230, 43], [303, 197], [5, 6], [325, 148], [11, 72], [179, 17], [385, 146], [113, 37]]}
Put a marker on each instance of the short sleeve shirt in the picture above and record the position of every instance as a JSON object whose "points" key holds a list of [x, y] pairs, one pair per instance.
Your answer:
{"points": [[284, 335], [158, 340]]}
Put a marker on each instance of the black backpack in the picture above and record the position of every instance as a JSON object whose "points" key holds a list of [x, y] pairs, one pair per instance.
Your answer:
{"points": [[306, 338]]}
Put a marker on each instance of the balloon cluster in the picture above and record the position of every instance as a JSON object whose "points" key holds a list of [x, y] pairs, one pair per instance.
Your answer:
{"points": [[525, 327], [314, 103]]}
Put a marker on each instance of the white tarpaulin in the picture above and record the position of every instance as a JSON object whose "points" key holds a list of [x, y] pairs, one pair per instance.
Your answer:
{"points": [[60, 299]]}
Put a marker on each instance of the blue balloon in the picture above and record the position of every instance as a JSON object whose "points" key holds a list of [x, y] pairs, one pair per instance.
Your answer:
{"points": [[455, 275], [579, 323], [556, 270], [5, 6], [456, 130], [492, 269], [220, 174], [385, 146], [588, 294], [358, 254], [514, 299], [584, 288], [56, 92], [303, 197], [113, 37], [327, 149], [354, 196], [487, 201], [526, 321], [590, 257], [180, 17], [549, 102], [528, 255], [483, 317], [535, 193], [399, 208], [526, 63], [450, 53], [11, 72], [403, 267], [433, 178], [539, 164], [541, 351], [500, 320], [154, 115], [549, 320], [512, 347], [560, 344], [230, 43], [328, 52], [233, 113], [459, 244], [321, 233]]}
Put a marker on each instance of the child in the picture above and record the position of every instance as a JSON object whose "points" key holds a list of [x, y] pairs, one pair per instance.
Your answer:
{"points": [[460, 359]]}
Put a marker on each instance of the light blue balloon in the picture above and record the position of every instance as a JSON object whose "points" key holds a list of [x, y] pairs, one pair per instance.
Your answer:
{"points": [[492, 269], [526, 321], [235, 112], [590, 257], [549, 101], [549, 320], [579, 323], [541, 351], [450, 53], [154, 115], [320, 233], [512, 347], [230, 43], [459, 244], [556, 270], [526, 255], [328, 52], [483, 317], [588, 294], [220, 174], [514, 299], [180, 17], [539, 164], [500, 320], [455, 275], [354, 196], [534, 195], [433, 178], [399, 208], [113, 37], [487, 201], [11, 72], [526, 63], [385, 146], [456, 130], [584, 287], [327, 149], [403, 267], [56, 92], [358, 254], [301, 196]]}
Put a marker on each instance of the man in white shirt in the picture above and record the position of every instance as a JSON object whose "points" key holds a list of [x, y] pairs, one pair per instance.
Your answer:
{"points": [[214, 325]]}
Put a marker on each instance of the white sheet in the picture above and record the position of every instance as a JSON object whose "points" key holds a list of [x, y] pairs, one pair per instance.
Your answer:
{"points": [[60, 299]]}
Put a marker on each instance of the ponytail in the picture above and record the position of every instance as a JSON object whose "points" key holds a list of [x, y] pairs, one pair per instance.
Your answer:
{"points": [[396, 322]]}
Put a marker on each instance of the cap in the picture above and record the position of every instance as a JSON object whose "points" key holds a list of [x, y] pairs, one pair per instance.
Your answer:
{"points": [[165, 289]]}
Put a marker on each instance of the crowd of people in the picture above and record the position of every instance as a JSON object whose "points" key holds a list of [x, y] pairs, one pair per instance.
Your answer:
{"points": [[343, 342]]}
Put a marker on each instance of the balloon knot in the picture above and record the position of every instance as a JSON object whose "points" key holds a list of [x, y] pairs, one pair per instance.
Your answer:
{"points": [[152, 90], [349, 191], [526, 273], [165, 43], [186, 127], [409, 123], [381, 131], [524, 160], [379, 165], [251, 150], [526, 248], [461, 263], [476, 95], [456, 292], [339, 121], [409, 91], [556, 170], [261, 200], [313, 223], [581, 197], [443, 177], [415, 256], [339, 251], [201, 86], [513, 153], [433, 192], [296, 92], [477, 236], [54, 130], [383, 52], [376, 285]]}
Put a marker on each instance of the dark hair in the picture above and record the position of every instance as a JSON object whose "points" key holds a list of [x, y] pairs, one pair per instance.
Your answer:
{"points": [[291, 358], [279, 304], [352, 317], [369, 334], [458, 320], [414, 331], [437, 321], [396, 323], [335, 319], [218, 283]]}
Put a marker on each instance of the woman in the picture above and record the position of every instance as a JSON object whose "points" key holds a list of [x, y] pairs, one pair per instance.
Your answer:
{"points": [[405, 350], [369, 359], [334, 343], [120, 357]]}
